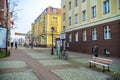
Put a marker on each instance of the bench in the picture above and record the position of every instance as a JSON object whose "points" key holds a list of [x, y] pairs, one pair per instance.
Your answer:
{"points": [[100, 61]]}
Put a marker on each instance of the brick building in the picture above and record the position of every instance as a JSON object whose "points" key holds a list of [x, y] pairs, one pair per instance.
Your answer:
{"points": [[90, 22]]}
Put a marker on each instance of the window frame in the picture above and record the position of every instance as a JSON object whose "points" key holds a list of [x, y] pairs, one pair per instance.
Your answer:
{"points": [[70, 5], [93, 11], [76, 37], [76, 3], [70, 21], [106, 6], [76, 18], [107, 32], [70, 37], [84, 35], [84, 15], [94, 34]]}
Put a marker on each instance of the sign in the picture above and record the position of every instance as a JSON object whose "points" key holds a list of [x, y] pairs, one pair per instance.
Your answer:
{"points": [[62, 36], [18, 33], [3, 37]]}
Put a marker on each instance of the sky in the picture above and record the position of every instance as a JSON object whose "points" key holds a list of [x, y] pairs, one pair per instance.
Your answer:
{"points": [[29, 11]]}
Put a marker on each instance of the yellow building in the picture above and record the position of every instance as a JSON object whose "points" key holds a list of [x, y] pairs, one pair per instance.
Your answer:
{"points": [[89, 22], [41, 28]]}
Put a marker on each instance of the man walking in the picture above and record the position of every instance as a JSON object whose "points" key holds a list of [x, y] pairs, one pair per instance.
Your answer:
{"points": [[95, 50]]}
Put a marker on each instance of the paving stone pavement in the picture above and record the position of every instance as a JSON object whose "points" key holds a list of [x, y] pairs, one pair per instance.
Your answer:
{"points": [[38, 64]]}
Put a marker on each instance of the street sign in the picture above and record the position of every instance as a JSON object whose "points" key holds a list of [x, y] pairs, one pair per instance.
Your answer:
{"points": [[23, 34], [18, 33]]}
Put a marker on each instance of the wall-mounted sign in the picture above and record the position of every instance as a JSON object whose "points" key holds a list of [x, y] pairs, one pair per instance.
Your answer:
{"points": [[3, 37], [62, 36]]}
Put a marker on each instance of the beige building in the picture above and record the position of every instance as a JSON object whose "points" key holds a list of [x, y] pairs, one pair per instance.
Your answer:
{"points": [[90, 22]]}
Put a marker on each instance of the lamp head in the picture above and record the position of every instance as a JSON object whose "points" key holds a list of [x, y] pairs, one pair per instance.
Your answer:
{"points": [[52, 29]]}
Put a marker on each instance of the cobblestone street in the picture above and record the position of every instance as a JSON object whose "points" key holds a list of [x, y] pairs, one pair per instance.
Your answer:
{"points": [[38, 64]]}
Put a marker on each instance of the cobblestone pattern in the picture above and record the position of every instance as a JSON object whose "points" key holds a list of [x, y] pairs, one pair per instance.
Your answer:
{"points": [[12, 64], [19, 76], [53, 62], [79, 74]]}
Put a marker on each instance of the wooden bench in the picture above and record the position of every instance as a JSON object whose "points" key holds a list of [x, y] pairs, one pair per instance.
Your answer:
{"points": [[100, 61]]}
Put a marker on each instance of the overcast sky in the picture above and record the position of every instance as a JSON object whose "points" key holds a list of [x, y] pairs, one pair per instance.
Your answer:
{"points": [[30, 10]]}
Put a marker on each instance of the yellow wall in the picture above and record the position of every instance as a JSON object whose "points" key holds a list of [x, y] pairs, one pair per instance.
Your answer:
{"points": [[42, 28], [56, 25], [100, 18]]}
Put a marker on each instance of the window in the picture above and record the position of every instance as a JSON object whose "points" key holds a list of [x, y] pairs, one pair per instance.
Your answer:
{"points": [[93, 11], [83, 0], [76, 36], [70, 38], [76, 18], [54, 11], [94, 34], [63, 16], [107, 33], [106, 6], [76, 3], [54, 20], [63, 28], [70, 21], [84, 35], [70, 5], [119, 4], [84, 15]]}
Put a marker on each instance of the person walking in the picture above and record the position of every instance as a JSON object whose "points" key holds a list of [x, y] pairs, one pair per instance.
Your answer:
{"points": [[15, 45], [11, 45], [95, 50]]}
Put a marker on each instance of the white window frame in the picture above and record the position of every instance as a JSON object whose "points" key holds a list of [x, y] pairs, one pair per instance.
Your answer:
{"points": [[76, 3], [76, 37], [93, 11], [70, 37], [107, 33], [84, 15], [106, 6], [76, 18], [94, 34], [84, 35], [70, 5], [70, 21]]}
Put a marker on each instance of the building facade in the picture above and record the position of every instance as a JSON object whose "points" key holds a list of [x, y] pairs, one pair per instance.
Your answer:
{"points": [[5, 16], [41, 28], [90, 22]]}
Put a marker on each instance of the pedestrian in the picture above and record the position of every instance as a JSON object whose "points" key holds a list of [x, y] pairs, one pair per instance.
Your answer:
{"points": [[95, 50], [11, 45], [15, 45]]}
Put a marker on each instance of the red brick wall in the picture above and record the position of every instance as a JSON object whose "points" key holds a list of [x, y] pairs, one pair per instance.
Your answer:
{"points": [[112, 44]]}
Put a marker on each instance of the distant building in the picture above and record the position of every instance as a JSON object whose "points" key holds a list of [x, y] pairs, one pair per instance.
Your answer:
{"points": [[90, 22], [41, 28]]}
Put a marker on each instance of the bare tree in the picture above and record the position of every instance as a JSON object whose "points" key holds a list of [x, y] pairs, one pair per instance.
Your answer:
{"points": [[13, 4]]}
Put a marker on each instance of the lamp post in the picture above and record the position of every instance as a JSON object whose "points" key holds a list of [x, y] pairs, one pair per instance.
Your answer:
{"points": [[52, 52]]}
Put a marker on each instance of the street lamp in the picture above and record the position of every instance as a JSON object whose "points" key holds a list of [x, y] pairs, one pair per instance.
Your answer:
{"points": [[52, 52]]}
